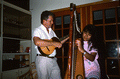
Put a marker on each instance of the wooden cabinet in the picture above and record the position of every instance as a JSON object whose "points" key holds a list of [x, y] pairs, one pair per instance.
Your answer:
{"points": [[15, 38]]}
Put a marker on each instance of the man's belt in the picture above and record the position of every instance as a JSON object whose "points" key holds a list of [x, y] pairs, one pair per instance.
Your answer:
{"points": [[44, 56]]}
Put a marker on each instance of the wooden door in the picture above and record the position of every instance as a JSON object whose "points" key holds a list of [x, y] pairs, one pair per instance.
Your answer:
{"points": [[106, 17]]}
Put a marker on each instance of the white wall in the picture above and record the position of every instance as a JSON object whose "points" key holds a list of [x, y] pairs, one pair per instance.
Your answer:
{"points": [[37, 6]]}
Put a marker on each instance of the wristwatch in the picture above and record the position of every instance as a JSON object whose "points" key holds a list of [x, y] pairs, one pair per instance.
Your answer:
{"points": [[84, 53]]}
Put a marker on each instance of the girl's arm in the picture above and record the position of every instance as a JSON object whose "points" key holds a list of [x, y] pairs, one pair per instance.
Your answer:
{"points": [[91, 56]]}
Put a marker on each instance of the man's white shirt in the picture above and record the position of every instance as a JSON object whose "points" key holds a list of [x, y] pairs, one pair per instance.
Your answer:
{"points": [[42, 33]]}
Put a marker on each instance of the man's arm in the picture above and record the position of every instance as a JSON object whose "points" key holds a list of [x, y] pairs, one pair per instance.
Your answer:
{"points": [[63, 41], [42, 43]]}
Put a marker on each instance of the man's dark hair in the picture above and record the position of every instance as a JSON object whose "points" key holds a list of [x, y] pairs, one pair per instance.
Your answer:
{"points": [[45, 15]]}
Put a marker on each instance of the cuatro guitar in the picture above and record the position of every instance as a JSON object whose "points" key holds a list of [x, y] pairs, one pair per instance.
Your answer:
{"points": [[49, 49]]}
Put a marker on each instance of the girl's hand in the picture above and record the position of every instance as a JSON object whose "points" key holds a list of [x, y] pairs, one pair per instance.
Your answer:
{"points": [[79, 44]]}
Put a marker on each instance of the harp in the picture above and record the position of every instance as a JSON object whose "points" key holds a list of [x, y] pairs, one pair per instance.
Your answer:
{"points": [[75, 67]]}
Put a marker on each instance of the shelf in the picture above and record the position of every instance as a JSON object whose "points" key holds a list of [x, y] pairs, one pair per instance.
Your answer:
{"points": [[13, 64], [10, 64], [14, 25], [16, 7], [15, 32], [17, 39], [17, 61], [16, 69], [15, 53]]}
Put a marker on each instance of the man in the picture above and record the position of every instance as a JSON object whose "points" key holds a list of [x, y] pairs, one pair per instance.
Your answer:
{"points": [[46, 65]]}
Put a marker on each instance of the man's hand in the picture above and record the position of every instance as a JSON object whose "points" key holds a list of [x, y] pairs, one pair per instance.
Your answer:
{"points": [[57, 44]]}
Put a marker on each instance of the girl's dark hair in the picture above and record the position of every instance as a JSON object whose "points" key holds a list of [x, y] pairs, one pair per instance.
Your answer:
{"points": [[45, 15], [92, 30]]}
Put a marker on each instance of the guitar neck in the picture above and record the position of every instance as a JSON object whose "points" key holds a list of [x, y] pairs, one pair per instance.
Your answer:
{"points": [[64, 37]]}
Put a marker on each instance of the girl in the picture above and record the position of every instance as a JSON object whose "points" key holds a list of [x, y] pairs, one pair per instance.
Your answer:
{"points": [[87, 46]]}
